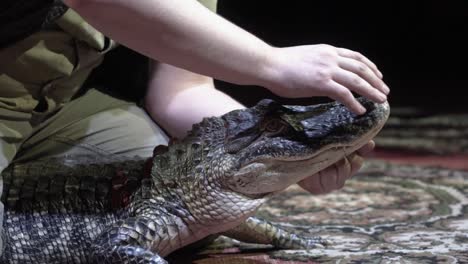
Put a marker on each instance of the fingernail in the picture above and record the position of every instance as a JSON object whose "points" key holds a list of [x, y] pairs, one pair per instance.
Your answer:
{"points": [[382, 97], [361, 110], [380, 74], [386, 89]]}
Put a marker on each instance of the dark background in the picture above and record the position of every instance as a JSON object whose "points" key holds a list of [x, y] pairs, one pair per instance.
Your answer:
{"points": [[418, 45]]}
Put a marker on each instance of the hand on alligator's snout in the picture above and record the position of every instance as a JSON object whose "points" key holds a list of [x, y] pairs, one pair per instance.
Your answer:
{"points": [[324, 70], [334, 177]]}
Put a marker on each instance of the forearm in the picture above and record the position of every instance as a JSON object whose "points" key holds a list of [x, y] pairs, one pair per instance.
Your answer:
{"points": [[177, 99], [182, 33]]}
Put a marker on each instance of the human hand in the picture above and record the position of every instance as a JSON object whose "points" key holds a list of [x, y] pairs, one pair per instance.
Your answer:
{"points": [[324, 70], [334, 177]]}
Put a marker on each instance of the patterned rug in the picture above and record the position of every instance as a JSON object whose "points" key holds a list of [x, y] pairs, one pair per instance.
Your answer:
{"points": [[386, 214]]}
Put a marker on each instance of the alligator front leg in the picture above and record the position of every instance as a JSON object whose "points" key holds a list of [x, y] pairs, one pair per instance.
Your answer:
{"points": [[128, 241], [259, 231]]}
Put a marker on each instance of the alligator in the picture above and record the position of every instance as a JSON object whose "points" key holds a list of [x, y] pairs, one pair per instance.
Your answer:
{"points": [[77, 209]]}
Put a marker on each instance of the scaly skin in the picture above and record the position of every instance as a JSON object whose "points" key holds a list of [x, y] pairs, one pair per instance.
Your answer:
{"points": [[75, 210]]}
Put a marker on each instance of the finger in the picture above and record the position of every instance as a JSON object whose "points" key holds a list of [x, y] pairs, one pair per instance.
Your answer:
{"points": [[366, 149], [358, 56], [342, 94], [329, 178], [356, 163], [364, 72], [357, 84], [312, 184], [343, 168]]}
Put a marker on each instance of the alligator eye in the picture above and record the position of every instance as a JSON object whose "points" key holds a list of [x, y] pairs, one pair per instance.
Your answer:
{"points": [[274, 126]]}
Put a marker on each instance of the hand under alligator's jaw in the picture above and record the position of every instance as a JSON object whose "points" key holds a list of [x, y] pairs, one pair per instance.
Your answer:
{"points": [[272, 176]]}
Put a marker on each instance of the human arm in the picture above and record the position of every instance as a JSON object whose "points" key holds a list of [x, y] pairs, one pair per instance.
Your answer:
{"points": [[185, 34], [177, 98]]}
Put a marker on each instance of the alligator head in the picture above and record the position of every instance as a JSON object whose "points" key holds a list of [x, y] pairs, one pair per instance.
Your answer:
{"points": [[227, 166]]}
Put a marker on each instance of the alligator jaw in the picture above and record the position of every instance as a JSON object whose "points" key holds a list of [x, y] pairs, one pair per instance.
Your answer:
{"points": [[281, 173]]}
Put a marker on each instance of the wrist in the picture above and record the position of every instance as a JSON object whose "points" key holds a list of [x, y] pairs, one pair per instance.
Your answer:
{"points": [[269, 69]]}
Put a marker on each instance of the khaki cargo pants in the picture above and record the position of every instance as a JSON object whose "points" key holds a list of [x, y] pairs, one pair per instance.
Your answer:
{"points": [[39, 76]]}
